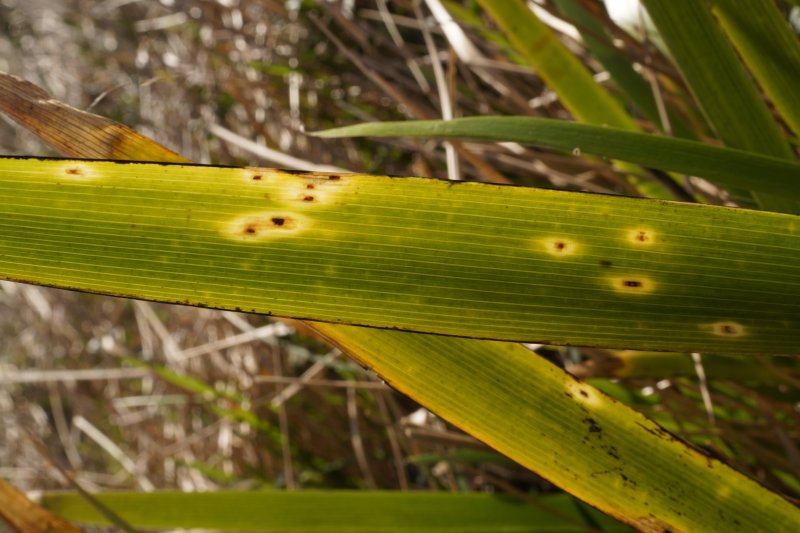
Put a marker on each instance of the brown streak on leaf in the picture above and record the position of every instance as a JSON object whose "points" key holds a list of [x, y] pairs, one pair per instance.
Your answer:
{"points": [[24, 516], [73, 132]]}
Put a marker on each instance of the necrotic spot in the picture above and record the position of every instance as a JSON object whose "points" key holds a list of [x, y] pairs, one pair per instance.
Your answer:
{"points": [[641, 236], [256, 177], [257, 227], [632, 284], [74, 170], [560, 246], [308, 198], [605, 263], [727, 329]]}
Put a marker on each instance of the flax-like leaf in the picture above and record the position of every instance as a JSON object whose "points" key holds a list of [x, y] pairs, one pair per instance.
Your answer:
{"points": [[415, 254], [582, 440], [716, 77], [631, 83], [336, 511], [770, 48], [725, 166], [557, 66]]}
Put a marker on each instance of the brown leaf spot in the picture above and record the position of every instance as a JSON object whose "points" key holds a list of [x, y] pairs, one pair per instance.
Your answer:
{"points": [[560, 246], [641, 236], [633, 284], [728, 329]]}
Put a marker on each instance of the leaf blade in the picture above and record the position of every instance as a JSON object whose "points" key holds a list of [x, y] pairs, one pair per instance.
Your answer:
{"points": [[324, 511], [549, 419], [726, 166], [770, 49], [716, 77], [412, 254]]}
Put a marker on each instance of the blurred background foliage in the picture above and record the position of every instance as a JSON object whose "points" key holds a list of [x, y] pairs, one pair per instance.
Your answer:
{"points": [[139, 395]]}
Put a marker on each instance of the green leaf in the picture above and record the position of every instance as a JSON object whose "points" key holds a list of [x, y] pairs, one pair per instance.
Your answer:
{"points": [[557, 66], [568, 432], [597, 41], [566, 76], [721, 86], [635, 364], [335, 511], [467, 259], [719, 82], [725, 166], [769, 47]]}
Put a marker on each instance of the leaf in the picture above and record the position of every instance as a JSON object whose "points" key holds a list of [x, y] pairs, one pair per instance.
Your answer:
{"points": [[412, 254], [721, 85], [328, 511], [725, 166], [24, 516], [660, 365], [632, 84], [63, 126], [716, 77], [769, 47], [566, 76], [577, 437], [557, 66]]}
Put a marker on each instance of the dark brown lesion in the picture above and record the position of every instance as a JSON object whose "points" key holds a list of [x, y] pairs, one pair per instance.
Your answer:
{"points": [[633, 284], [728, 329], [74, 171], [278, 221]]}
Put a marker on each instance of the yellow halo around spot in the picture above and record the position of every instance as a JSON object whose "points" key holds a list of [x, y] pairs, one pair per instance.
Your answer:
{"points": [[259, 227], [633, 284], [560, 246], [641, 236], [726, 328], [75, 170]]}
